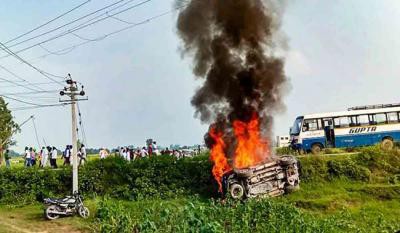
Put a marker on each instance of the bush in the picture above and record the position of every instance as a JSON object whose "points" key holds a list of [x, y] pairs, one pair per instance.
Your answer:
{"points": [[158, 177], [166, 177]]}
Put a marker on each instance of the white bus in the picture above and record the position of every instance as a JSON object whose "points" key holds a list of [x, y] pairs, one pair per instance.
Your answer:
{"points": [[359, 126]]}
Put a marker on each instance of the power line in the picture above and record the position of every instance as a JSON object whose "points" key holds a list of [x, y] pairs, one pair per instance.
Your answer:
{"points": [[24, 85], [34, 126], [21, 101], [18, 84], [69, 23], [30, 93], [44, 73], [76, 29], [81, 125], [48, 22], [69, 49], [37, 107]]}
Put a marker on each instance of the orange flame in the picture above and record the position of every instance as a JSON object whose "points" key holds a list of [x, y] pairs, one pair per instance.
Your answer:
{"points": [[250, 148], [221, 165]]}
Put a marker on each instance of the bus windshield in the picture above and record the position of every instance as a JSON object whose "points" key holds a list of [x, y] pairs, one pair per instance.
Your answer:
{"points": [[295, 130]]}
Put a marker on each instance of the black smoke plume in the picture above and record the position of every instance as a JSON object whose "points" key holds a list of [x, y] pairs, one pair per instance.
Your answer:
{"points": [[233, 44]]}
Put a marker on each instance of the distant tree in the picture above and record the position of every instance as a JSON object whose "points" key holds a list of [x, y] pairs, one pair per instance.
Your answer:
{"points": [[7, 127]]}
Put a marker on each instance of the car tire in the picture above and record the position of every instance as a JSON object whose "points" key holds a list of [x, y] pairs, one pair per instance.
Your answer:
{"points": [[237, 191], [287, 160], [316, 149], [387, 144]]}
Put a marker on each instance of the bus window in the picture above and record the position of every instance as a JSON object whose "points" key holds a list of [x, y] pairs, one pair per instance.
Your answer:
{"points": [[392, 117], [353, 121], [363, 120], [320, 124], [341, 122], [372, 119], [310, 125], [380, 118]]}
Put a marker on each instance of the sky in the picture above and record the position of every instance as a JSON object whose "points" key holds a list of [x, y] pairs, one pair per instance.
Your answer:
{"points": [[340, 54]]}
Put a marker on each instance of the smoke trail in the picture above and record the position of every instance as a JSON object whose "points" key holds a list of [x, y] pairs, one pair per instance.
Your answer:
{"points": [[232, 43]]}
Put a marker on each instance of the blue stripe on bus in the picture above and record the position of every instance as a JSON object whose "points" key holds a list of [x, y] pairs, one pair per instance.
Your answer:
{"points": [[353, 140]]}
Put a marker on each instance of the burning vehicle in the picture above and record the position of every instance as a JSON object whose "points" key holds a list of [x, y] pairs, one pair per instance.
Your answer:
{"points": [[235, 46], [273, 178]]}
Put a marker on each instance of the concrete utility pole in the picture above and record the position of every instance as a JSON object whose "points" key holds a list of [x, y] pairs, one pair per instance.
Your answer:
{"points": [[73, 91]]}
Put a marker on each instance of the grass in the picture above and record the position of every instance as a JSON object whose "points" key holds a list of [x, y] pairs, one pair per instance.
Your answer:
{"points": [[30, 218], [356, 203], [331, 204]]}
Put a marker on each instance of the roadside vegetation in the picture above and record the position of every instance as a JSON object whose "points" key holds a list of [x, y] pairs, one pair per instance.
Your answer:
{"points": [[343, 193]]}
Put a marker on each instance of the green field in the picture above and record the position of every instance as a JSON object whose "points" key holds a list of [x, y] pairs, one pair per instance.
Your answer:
{"points": [[343, 193]]}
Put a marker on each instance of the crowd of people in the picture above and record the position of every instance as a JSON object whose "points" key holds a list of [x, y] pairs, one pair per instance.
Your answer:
{"points": [[151, 150], [48, 155]]}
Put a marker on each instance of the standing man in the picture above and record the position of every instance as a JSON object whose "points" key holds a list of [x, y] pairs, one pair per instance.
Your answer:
{"points": [[155, 148], [53, 157], [82, 152], [45, 156], [103, 153], [143, 152], [27, 157], [7, 158]]}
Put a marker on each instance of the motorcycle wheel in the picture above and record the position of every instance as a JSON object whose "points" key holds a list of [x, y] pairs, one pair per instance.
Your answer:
{"points": [[48, 212], [83, 212]]}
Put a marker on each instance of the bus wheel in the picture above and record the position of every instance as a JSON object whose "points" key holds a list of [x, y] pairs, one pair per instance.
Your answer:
{"points": [[387, 144], [316, 149]]}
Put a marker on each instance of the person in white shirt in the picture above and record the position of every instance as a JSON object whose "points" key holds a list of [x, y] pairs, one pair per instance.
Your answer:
{"points": [[45, 156], [27, 157], [143, 152], [155, 149], [128, 154], [123, 153], [103, 153], [53, 158], [82, 152]]}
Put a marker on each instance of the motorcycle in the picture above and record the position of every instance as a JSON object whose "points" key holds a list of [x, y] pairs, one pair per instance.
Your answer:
{"points": [[67, 206]]}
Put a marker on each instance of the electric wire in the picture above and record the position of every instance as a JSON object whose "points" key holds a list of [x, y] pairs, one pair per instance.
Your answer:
{"points": [[69, 49], [48, 22], [42, 72], [21, 101], [76, 29], [81, 125], [21, 85], [36, 134], [24, 85], [30, 93], [38, 107], [69, 23]]}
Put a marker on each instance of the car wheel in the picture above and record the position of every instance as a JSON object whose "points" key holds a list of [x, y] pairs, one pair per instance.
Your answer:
{"points": [[287, 160], [236, 191]]}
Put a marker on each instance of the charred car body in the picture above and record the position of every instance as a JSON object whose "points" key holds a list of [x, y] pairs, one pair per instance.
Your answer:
{"points": [[273, 178]]}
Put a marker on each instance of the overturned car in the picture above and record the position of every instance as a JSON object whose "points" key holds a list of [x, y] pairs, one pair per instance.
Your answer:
{"points": [[274, 178]]}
